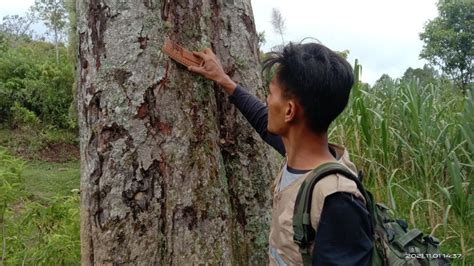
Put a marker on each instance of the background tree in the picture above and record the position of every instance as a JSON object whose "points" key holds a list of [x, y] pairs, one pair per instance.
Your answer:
{"points": [[448, 41], [54, 15], [278, 23], [384, 81], [18, 26], [423, 75], [261, 40], [171, 173]]}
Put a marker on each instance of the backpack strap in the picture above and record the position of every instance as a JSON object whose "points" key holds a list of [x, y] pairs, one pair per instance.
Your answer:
{"points": [[303, 230], [407, 238]]}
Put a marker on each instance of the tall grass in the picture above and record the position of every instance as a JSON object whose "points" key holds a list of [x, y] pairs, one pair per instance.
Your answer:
{"points": [[416, 144], [11, 188], [35, 230]]}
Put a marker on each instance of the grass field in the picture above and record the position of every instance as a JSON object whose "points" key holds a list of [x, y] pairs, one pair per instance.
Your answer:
{"points": [[47, 179], [39, 200]]}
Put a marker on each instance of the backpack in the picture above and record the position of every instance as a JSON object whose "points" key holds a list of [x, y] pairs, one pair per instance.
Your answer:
{"points": [[394, 243]]}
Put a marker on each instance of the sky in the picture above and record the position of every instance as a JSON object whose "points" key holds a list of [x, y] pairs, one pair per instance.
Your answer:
{"points": [[382, 34], [9, 7]]}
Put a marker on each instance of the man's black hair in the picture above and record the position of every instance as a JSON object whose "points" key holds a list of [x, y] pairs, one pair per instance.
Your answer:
{"points": [[317, 77]]}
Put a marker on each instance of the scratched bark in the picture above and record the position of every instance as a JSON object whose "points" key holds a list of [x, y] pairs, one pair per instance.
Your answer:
{"points": [[171, 173]]}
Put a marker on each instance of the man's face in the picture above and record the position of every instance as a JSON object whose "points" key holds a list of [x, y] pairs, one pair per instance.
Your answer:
{"points": [[276, 108]]}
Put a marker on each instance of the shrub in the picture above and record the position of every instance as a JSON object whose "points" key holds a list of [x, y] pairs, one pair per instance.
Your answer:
{"points": [[22, 118], [30, 77]]}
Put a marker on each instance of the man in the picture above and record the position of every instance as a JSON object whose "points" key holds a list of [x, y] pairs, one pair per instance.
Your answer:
{"points": [[310, 88]]}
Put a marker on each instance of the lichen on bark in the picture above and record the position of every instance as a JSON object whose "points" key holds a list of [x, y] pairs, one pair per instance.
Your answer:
{"points": [[171, 173]]}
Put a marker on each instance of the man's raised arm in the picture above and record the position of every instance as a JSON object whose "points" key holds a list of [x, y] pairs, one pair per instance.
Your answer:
{"points": [[250, 106]]}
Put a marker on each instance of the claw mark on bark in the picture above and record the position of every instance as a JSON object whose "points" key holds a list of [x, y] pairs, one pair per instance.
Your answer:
{"points": [[163, 205], [121, 76], [165, 10], [100, 146], [82, 58], [143, 41], [216, 23], [162, 82], [149, 108], [140, 191], [237, 206], [110, 134], [149, 4], [190, 215], [97, 23], [96, 197], [93, 111], [249, 25]]}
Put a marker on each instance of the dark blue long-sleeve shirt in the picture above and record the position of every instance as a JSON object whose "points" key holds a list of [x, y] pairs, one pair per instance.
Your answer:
{"points": [[343, 233]]}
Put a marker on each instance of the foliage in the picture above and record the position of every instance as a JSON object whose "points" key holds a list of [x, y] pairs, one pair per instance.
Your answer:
{"points": [[414, 144], [384, 81], [36, 231], [46, 233], [22, 117], [19, 27], [11, 179], [11, 188], [261, 40], [42, 143], [448, 40], [52, 13], [423, 76], [4, 41], [72, 48], [29, 77], [54, 16]]}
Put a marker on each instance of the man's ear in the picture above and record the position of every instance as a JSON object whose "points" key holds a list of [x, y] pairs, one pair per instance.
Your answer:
{"points": [[291, 111]]}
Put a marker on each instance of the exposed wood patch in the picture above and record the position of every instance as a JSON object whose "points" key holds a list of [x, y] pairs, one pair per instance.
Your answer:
{"points": [[97, 20]]}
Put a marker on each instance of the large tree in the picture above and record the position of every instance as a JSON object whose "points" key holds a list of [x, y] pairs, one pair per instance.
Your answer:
{"points": [[449, 40], [171, 173]]}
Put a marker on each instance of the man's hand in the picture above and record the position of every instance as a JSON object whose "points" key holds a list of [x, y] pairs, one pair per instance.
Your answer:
{"points": [[211, 68]]}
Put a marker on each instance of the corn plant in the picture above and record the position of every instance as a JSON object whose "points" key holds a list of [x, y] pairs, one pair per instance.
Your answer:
{"points": [[415, 144]]}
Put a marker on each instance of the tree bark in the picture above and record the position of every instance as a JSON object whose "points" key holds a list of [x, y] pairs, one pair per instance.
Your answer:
{"points": [[171, 173]]}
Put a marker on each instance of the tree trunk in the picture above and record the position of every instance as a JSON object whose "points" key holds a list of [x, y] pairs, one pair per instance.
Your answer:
{"points": [[171, 173], [56, 45]]}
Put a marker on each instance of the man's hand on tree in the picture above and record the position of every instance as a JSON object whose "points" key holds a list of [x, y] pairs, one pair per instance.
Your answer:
{"points": [[211, 69]]}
